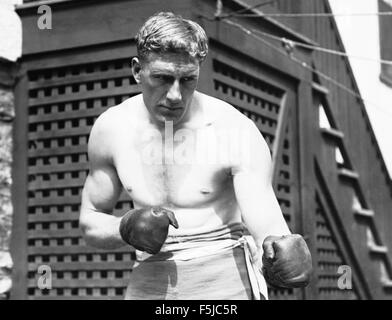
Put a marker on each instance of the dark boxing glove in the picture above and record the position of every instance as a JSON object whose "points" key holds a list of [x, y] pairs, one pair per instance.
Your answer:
{"points": [[146, 229], [287, 262]]}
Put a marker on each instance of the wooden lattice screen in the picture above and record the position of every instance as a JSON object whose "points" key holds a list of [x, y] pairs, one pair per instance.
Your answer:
{"points": [[63, 105], [328, 260]]}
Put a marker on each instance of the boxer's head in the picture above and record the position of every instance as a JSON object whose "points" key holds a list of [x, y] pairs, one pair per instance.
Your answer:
{"points": [[166, 32], [170, 51]]}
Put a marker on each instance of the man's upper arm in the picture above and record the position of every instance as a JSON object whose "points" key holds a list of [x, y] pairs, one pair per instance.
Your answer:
{"points": [[252, 177], [102, 187]]}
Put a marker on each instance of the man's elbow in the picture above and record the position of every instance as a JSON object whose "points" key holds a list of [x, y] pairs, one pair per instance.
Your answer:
{"points": [[95, 235], [93, 238], [89, 234]]}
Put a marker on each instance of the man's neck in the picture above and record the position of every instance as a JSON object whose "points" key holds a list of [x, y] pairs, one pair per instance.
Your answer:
{"points": [[196, 117]]}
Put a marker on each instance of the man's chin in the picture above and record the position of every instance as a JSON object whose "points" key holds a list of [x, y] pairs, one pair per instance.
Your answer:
{"points": [[175, 119]]}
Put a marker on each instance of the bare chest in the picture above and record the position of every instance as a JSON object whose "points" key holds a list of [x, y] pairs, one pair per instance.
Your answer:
{"points": [[182, 172]]}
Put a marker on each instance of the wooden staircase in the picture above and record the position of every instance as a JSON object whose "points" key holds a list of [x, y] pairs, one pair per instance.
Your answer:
{"points": [[341, 186]]}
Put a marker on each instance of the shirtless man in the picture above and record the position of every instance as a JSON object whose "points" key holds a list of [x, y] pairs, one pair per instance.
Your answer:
{"points": [[195, 169]]}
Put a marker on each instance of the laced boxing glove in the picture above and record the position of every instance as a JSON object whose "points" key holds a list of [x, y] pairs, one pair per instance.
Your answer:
{"points": [[146, 229], [287, 262]]}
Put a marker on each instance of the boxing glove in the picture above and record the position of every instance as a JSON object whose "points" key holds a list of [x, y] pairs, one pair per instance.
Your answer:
{"points": [[146, 229], [287, 262]]}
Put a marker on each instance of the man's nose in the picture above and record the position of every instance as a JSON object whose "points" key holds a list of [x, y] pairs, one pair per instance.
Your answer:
{"points": [[174, 93]]}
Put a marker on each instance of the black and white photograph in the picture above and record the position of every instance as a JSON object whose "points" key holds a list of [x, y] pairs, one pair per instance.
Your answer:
{"points": [[212, 151]]}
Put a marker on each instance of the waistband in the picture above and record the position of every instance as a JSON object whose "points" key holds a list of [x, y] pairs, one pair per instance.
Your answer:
{"points": [[187, 247]]}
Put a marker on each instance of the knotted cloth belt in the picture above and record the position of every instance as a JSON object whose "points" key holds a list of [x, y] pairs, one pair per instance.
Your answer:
{"points": [[187, 247]]}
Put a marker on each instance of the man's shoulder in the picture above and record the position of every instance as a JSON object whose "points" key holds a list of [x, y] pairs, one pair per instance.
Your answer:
{"points": [[113, 125], [223, 112], [114, 117]]}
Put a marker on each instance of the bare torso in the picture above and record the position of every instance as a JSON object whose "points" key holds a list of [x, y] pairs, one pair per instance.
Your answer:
{"points": [[185, 177]]}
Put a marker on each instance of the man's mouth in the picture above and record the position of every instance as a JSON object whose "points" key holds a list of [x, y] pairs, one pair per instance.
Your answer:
{"points": [[170, 108]]}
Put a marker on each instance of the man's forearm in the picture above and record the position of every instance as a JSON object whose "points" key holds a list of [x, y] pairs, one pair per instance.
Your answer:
{"points": [[101, 230], [262, 225]]}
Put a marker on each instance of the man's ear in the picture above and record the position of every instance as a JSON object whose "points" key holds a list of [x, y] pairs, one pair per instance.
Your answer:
{"points": [[136, 69]]}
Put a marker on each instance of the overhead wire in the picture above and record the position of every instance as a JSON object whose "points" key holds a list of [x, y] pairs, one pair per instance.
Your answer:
{"points": [[242, 10], [237, 13], [308, 67], [322, 49], [312, 14], [253, 33]]}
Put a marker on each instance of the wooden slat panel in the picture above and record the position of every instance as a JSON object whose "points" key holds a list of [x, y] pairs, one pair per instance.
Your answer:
{"points": [[81, 283], [55, 201], [91, 23], [78, 297], [52, 234], [284, 167], [265, 129], [56, 184], [323, 232], [330, 283], [283, 181], [60, 133], [236, 101], [54, 217], [43, 152], [67, 115], [246, 88], [85, 266], [327, 272], [74, 250], [328, 245], [61, 200], [70, 79], [65, 167], [235, 38], [283, 195], [76, 96], [328, 257], [246, 67]]}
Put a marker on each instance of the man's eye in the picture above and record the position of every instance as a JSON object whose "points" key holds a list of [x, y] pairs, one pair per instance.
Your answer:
{"points": [[187, 79], [162, 77]]}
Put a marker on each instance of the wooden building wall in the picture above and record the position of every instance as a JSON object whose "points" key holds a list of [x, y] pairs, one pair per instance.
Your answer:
{"points": [[360, 188], [72, 73]]}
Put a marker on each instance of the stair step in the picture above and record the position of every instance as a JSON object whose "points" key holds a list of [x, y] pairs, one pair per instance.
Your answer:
{"points": [[320, 88], [333, 133], [347, 173], [374, 248], [364, 212], [387, 283]]}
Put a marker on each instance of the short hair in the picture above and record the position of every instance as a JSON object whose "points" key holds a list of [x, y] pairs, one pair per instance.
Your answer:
{"points": [[167, 32]]}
